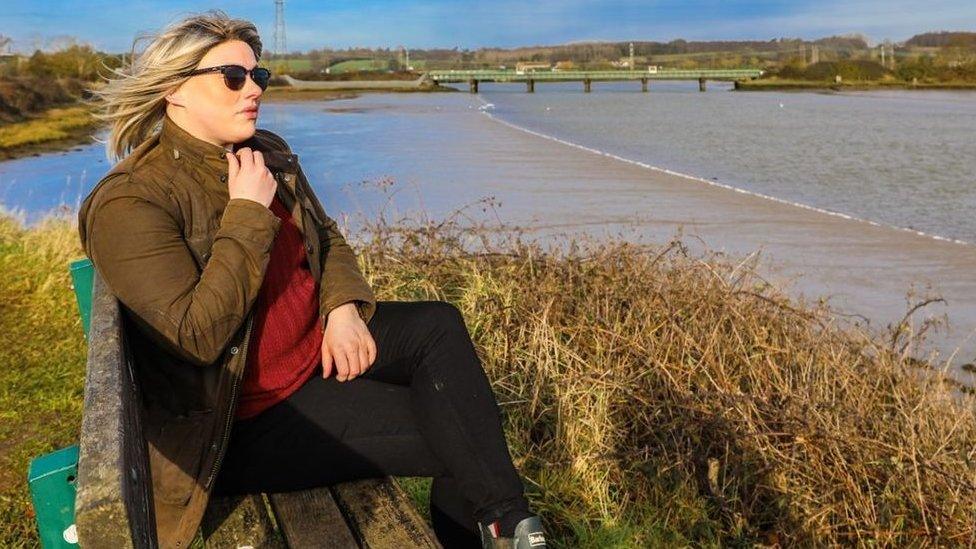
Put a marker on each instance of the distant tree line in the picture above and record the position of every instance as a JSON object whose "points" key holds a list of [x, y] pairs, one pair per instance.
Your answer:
{"points": [[933, 56], [929, 55], [45, 79], [76, 61], [943, 40]]}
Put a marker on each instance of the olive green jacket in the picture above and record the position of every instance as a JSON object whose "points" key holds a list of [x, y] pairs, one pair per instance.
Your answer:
{"points": [[186, 263]]}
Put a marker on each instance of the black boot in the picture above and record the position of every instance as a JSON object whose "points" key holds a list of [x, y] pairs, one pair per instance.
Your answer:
{"points": [[528, 535]]}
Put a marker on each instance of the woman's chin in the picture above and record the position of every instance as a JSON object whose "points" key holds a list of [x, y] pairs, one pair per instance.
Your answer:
{"points": [[245, 131]]}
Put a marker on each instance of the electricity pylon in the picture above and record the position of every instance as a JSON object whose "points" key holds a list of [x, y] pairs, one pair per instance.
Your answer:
{"points": [[279, 37]]}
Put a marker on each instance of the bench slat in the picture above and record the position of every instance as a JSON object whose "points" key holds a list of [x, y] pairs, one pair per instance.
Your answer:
{"points": [[239, 521], [383, 515], [311, 519]]}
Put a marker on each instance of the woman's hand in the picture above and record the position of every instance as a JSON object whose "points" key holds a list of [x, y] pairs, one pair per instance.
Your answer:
{"points": [[347, 341], [247, 177]]}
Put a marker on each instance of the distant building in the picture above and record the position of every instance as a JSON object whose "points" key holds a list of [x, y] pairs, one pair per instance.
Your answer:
{"points": [[564, 66]]}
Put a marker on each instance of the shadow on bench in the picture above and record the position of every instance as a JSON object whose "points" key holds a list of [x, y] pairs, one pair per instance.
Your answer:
{"points": [[113, 507]]}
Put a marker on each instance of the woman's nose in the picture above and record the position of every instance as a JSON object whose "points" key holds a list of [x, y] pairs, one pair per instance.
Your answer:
{"points": [[251, 87]]}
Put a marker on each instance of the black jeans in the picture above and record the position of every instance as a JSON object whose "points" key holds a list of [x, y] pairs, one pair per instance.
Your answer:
{"points": [[423, 408]]}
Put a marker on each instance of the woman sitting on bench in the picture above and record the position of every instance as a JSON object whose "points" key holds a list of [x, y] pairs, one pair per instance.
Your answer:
{"points": [[266, 362]]}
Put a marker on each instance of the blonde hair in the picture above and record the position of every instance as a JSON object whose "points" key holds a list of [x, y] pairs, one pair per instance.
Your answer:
{"points": [[134, 103]]}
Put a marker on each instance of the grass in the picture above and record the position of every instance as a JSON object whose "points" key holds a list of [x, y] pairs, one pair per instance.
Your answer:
{"points": [[43, 361], [53, 125], [650, 396], [356, 65]]}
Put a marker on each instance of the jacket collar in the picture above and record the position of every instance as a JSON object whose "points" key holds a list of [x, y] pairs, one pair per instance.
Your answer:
{"points": [[185, 146], [182, 145]]}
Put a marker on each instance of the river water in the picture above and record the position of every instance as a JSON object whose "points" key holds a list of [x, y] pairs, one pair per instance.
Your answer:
{"points": [[854, 197]]}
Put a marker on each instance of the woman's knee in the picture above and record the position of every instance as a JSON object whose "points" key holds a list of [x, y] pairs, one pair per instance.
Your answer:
{"points": [[443, 315]]}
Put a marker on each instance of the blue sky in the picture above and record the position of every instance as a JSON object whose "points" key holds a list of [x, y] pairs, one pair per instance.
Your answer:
{"points": [[112, 25]]}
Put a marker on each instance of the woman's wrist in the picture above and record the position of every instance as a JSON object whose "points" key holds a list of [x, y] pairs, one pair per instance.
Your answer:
{"points": [[347, 308]]}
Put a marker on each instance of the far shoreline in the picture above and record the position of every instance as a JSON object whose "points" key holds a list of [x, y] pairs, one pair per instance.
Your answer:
{"points": [[862, 85]]}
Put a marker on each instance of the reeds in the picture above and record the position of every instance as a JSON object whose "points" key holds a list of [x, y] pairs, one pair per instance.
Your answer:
{"points": [[656, 396]]}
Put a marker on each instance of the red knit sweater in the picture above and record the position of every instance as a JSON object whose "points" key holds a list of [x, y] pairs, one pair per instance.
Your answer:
{"points": [[286, 338]]}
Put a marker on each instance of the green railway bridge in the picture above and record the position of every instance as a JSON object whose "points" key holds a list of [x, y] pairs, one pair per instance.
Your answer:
{"points": [[530, 78]]}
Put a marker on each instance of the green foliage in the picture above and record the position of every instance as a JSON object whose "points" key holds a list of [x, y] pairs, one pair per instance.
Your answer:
{"points": [[849, 70], [933, 69], [26, 95], [76, 61]]}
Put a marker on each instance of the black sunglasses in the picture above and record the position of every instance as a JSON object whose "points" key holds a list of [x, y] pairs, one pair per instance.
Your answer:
{"points": [[236, 75]]}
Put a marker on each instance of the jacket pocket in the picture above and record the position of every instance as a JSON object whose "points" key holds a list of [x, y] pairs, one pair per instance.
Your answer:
{"points": [[176, 455]]}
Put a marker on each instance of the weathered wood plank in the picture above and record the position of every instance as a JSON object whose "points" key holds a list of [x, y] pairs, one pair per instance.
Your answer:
{"points": [[311, 519], [382, 515], [113, 504], [239, 522]]}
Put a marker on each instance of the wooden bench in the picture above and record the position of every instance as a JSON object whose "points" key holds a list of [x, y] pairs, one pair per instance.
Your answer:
{"points": [[113, 506]]}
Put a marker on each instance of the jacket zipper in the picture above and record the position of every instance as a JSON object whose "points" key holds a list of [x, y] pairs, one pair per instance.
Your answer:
{"points": [[233, 400], [233, 405]]}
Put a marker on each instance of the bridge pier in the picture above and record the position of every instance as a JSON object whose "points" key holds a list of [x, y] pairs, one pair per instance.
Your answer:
{"points": [[701, 84], [644, 85], [473, 86], [586, 85], [530, 86]]}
